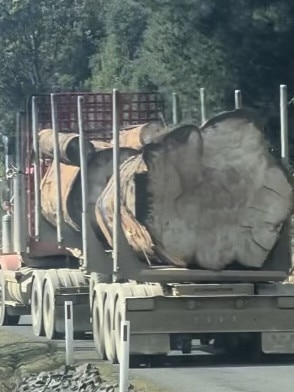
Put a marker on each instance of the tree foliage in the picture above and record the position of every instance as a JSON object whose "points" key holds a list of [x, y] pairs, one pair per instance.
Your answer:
{"points": [[169, 45], [44, 46]]}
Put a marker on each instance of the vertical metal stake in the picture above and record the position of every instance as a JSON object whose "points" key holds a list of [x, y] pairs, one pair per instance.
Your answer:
{"points": [[284, 124], [7, 242], [84, 184], [116, 177], [125, 358], [238, 99], [57, 170], [18, 193], [69, 337], [175, 109], [37, 176], [203, 105]]}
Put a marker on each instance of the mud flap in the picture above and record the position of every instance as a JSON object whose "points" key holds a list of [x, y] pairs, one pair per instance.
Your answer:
{"points": [[150, 344], [277, 342]]}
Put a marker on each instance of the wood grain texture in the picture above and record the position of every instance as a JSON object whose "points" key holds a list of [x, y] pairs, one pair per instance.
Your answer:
{"points": [[69, 148], [190, 197], [208, 197], [99, 172], [140, 135], [219, 197]]}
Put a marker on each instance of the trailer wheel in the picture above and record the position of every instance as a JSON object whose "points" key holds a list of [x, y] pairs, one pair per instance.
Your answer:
{"points": [[110, 349], [3, 313], [125, 290], [5, 318], [99, 296], [37, 304], [49, 310], [94, 279]]}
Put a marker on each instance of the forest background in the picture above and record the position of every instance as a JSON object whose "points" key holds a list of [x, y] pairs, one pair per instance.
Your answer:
{"points": [[165, 45]]}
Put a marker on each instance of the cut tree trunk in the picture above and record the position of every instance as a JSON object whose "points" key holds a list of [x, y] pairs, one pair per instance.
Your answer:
{"points": [[203, 197], [140, 135], [69, 148], [100, 169]]}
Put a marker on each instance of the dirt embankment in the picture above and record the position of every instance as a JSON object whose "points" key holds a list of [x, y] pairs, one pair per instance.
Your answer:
{"points": [[20, 355], [30, 365]]}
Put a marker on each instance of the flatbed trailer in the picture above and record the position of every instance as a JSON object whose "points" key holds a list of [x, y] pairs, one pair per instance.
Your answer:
{"points": [[167, 307]]}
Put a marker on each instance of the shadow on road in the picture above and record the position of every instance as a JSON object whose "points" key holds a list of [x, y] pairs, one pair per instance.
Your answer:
{"points": [[199, 360]]}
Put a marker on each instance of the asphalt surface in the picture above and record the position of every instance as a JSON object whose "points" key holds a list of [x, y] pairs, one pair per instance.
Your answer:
{"points": [[229, 378], [200, 373]]}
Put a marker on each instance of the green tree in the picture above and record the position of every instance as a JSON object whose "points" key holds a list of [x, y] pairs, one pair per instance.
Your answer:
{"points": [[45, 45], [111, 66], [181, 53], [115, 62]]}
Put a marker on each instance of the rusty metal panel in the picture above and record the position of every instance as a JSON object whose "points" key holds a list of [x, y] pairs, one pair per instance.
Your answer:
{"points": [[97, 112], [134, 108], [68, 146]]}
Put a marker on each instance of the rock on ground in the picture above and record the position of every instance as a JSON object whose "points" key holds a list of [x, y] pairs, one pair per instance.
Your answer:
{"points": [[86, 378]]}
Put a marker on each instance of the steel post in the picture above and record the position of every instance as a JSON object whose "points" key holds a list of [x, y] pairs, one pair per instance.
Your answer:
{"points": [[116, 177], [7, 243], [284, 124], [238, 99], [125, 360], [18, 190], [175, 108], [69, 333], [203, 105], [57, 170], [8, 157], [37, 176], [84, 184]]}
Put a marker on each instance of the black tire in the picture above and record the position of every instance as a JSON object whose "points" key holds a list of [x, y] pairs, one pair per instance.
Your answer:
{"points": [[97, 278], [37, 306], [98, 321], [49, 311]]}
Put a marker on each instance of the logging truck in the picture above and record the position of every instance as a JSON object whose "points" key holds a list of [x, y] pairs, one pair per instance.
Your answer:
{"points": [[181, 229]]}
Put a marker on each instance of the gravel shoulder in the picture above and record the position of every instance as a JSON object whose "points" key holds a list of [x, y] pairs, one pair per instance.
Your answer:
{"points": [[22, 355]]}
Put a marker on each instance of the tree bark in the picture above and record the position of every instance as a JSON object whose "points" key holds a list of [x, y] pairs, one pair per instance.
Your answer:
{"points": [[203, 197], [68, 146]]}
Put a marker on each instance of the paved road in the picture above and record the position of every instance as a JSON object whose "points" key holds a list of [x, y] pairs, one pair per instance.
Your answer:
{"points": [[230, 378], [204, 373]]}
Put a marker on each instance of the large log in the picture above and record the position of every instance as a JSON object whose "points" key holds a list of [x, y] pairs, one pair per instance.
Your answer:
{"points": [[68, 146], [100, 169], [138, 136], [203, 197]]}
